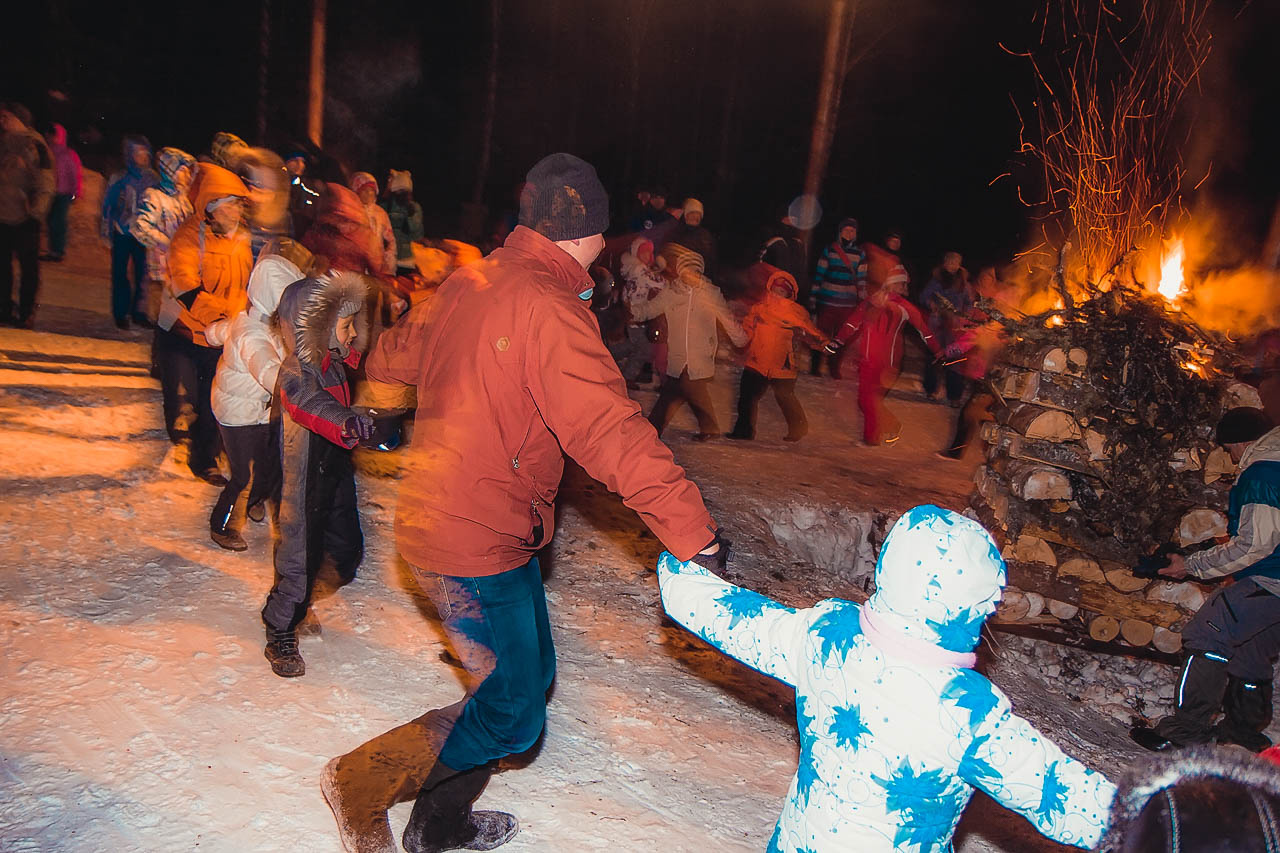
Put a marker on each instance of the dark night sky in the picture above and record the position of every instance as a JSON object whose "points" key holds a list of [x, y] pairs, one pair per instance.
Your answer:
{"points": [[925, 125]]}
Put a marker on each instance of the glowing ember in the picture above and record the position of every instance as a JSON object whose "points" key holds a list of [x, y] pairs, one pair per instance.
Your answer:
{"points": [[1055, 319], [1171, 285]]}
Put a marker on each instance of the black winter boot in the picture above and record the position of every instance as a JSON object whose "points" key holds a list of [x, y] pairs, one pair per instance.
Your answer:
{"points": [[1248, 711], [282, 652], [1200, 692], [226, 537], [442, 818]]}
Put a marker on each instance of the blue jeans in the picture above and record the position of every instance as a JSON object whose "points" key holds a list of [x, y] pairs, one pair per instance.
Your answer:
{"points": [[127, 298], [499, 630]]}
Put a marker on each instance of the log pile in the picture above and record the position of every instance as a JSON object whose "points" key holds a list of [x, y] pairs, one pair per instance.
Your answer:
{"points": [[1101, 451]]}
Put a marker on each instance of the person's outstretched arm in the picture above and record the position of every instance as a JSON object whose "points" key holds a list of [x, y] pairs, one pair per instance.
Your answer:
{"points": [[1025, 771], [755, 629]]}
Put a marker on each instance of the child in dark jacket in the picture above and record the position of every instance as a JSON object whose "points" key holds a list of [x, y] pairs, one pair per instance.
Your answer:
{"points": [[320, 321]]}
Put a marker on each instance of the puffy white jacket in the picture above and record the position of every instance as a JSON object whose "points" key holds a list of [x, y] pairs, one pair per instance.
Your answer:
{"points": [[896, 728], [252, 352], [692, 315]]}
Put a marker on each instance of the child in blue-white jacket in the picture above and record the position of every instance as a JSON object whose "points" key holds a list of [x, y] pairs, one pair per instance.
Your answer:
{"points": [[896, 727]]}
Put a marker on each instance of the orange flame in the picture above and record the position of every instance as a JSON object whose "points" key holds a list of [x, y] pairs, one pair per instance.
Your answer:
{"points": [[1172, 286]]}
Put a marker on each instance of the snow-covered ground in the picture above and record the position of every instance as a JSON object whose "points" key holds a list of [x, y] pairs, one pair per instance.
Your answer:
{"points": [[138, 713]]}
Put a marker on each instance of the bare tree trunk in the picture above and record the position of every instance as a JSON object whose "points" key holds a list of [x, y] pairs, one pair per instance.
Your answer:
{"points": [[264, 64], [824, 120], [490, 103], [723, 191], [315, 101]]}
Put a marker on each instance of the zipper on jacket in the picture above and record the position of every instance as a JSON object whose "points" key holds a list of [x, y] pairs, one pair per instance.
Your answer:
{"points": [[515, 462]]}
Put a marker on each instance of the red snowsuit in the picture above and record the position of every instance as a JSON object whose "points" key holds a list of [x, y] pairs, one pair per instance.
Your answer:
{"points": [[876, 328]]}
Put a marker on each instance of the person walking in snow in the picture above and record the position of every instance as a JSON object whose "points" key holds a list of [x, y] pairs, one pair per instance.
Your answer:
{"points": [[692, 234], [875, 327], [244, 387], [642, 280], [771, 325], [1233, 640], [69, 185], [839, 284], [405, 216], [511, 376], [946, 300], [693, 308], [209, 263], [26, 191], [120, 204], [365, 186], [320, 321], [896, 726]]}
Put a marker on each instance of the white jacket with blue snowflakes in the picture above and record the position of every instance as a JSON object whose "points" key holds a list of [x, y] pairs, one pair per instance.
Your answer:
{"points": [[896, 729]]}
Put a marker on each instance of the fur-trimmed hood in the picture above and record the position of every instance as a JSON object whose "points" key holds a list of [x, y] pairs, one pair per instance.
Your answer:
{"points": [[311, 308], [1256, 780]]}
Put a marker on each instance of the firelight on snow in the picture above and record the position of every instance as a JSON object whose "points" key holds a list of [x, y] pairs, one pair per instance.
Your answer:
{"points": [[1172, 285]]}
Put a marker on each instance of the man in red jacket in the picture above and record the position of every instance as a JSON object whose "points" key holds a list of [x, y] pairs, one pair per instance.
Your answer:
{"points": [[511, 374]]}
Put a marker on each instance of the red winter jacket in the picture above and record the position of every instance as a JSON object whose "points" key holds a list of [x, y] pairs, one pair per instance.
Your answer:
{"points": [[877, 329], [511, 374]]}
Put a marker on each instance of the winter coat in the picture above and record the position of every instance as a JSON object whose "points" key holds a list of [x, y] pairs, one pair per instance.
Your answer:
{"points": [[877, 330], [26, 177], [1253, 522], [160, 212], [511, 375], [380, 225], [693, 307], [839, 281], [251, 356], [68, 173], [208, 272], [640, 282], [945, 299], [342, 234], [896, 727], [312, 377], [405, 216], [124, 194], [771, 325]]}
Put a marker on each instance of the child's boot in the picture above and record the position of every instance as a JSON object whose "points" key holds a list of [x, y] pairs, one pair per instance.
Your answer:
{"points": [[282, 653]]}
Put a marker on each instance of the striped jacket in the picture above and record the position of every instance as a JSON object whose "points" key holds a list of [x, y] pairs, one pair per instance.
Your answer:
{"points": [[840, 280]]}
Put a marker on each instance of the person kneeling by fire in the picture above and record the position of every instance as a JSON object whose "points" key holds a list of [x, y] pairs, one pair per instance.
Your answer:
{"points": [[1233, 639]]}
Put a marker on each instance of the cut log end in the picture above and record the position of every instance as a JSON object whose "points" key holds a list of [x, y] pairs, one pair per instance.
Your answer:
{"points": [[1167, 641], [1137, 633], [1104, 628]]}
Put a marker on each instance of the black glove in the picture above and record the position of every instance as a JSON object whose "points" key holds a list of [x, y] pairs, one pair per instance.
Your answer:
{"points": [[359, 427], [714, 562]]}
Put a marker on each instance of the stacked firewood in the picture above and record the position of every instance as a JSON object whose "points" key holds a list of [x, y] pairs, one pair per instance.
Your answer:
{"points": [[1102, 451]]}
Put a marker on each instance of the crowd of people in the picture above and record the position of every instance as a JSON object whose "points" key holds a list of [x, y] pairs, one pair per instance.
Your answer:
{"points": [[266, 285]]}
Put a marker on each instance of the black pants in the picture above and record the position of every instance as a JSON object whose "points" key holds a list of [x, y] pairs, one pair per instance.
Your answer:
{"points": [[57, 223], [253, 452], [319, 518], [186, 380], [975, 408], [695, 392], [1241, 624], [752, 388], [22, 240], [127, 295]]}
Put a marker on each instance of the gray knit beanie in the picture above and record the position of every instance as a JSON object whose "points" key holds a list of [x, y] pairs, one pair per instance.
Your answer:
{"points": [[563, 199]]}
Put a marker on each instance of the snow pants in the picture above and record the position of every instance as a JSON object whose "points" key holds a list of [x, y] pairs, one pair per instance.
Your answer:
{"points": [[128, 298], [499, 629], [319, 518], [186, 382], [682, 389], [752, 387], [1240, 623], [253, 452], [875, 378]]}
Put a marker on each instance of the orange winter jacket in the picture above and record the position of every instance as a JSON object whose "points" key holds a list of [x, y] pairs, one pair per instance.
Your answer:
{"points": [[511, 374], [771, 325], [209, 273]]}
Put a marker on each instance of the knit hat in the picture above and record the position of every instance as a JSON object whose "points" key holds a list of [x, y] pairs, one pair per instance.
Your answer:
{"points": [[1243, 424], [692, 205], [362, 179], [847, 222], [399, 181], [563, 199]]}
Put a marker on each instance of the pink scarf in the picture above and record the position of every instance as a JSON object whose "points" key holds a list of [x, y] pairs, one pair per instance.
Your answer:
{"points": [[894, 643]]}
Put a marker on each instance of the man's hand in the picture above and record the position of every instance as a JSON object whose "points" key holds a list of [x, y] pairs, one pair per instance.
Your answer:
{"points": [[1177, 568], [715, 556]]}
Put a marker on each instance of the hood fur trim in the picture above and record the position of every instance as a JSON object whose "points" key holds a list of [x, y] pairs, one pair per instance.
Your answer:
{"points": [[313, 313], [1146, 779]]}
